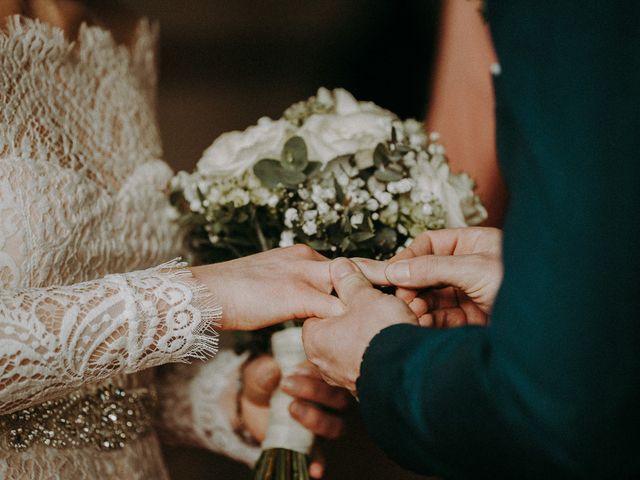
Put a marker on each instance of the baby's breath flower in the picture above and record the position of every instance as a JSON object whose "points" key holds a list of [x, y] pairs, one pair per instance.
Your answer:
{"points": [[410, 159], [290, 216], [359, 197], [331, 217], [304, 193], [310, 228], [374, 185], [323, 208], [310, 215], [401, 186], [195, 205], [383, 197], [273, 201], [357, 219], [342, 179], [372, 204], [286, 238], [238, 197]]}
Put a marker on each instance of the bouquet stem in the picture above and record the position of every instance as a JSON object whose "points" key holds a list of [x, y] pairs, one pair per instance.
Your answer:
{"points": [[287, 443]]}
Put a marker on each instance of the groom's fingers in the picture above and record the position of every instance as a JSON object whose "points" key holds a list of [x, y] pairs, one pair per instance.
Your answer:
{"points": [[432, 271], [348, 280]]}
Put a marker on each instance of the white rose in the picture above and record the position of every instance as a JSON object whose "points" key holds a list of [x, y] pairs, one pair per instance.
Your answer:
{"points": [[329, 136], [235, 152], [345, 104], [354, 126]]}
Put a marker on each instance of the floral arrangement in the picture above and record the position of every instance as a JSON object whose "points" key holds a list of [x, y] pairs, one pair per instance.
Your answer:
{"points": [[343, 176]]}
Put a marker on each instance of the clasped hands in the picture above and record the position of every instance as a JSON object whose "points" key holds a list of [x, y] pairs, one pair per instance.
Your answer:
{"points": [[445, 278]]}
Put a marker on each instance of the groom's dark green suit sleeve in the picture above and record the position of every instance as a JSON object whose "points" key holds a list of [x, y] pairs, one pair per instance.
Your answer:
{"points": [[552, 387]]}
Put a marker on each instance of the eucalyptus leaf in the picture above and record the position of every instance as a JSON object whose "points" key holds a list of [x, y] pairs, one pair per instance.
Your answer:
{"points": [[387, 175], [294, 154], [271, 174], [386, 238], [362, 237], [268, 171], [345, 245], [339, 191], [395, 155], [380, 156], [320, 245], [312, 168], [292, 178]]}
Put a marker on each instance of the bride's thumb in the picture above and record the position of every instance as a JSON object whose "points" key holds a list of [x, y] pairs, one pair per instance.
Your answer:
{"points": [[261, 377]]}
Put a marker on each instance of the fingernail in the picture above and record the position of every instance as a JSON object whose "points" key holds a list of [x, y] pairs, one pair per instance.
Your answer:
{"points": [[304, 372], [268, 374], [398, 272], [296, 408], [316, 470], [289, 384], [342, 267]]}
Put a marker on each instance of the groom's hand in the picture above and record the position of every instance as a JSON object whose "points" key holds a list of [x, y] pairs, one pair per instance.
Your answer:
{"points": [[447, 277], [336, 344]]}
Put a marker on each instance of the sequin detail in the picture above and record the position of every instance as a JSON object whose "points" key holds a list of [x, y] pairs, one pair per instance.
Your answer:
{"points": [[106, 420]]}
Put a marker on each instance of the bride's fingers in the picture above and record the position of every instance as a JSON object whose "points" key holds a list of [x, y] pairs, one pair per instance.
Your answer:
{"points": [[318, 463], [426, 320], [260, 378], [374, 270], [406, 294], [317, 391], [449, 318], [419, 306], [312, 303], [475, 315], [316, 273], [442, 298], [322, 423]]}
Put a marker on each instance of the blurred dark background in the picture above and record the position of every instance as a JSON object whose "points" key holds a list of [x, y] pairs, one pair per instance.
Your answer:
{"points": [[224, 64]]}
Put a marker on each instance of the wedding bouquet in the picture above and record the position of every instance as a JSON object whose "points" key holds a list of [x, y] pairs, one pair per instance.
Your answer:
{"points": [[346, 177]]}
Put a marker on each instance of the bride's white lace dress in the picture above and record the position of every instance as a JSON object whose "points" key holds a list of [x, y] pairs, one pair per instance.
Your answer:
{"points": [[87, 303]]}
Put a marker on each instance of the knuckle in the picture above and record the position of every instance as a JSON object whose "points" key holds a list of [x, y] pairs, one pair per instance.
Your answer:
{"points": [[312, 418], [342, 401], [302, 250]]}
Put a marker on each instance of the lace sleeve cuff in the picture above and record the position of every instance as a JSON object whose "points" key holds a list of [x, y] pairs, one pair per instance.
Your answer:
{"points": [[57, 339], [198, 406]]}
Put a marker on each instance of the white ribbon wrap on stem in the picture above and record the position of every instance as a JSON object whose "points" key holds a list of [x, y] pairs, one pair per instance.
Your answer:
{"points": [[284, 431]]}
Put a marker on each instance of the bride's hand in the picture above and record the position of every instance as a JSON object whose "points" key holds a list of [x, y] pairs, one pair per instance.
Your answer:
{"points": [[316, 405], [271, 287]]}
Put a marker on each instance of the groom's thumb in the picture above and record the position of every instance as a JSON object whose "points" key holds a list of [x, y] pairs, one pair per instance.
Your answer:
{"points": [[348, 280]]}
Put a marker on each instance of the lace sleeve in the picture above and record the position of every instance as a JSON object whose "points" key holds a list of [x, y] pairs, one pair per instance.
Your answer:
{"points": [[53, 340], [198, 405]]}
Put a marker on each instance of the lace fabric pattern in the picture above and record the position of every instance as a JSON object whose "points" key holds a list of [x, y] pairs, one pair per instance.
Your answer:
{"points": [[86, 295]]}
